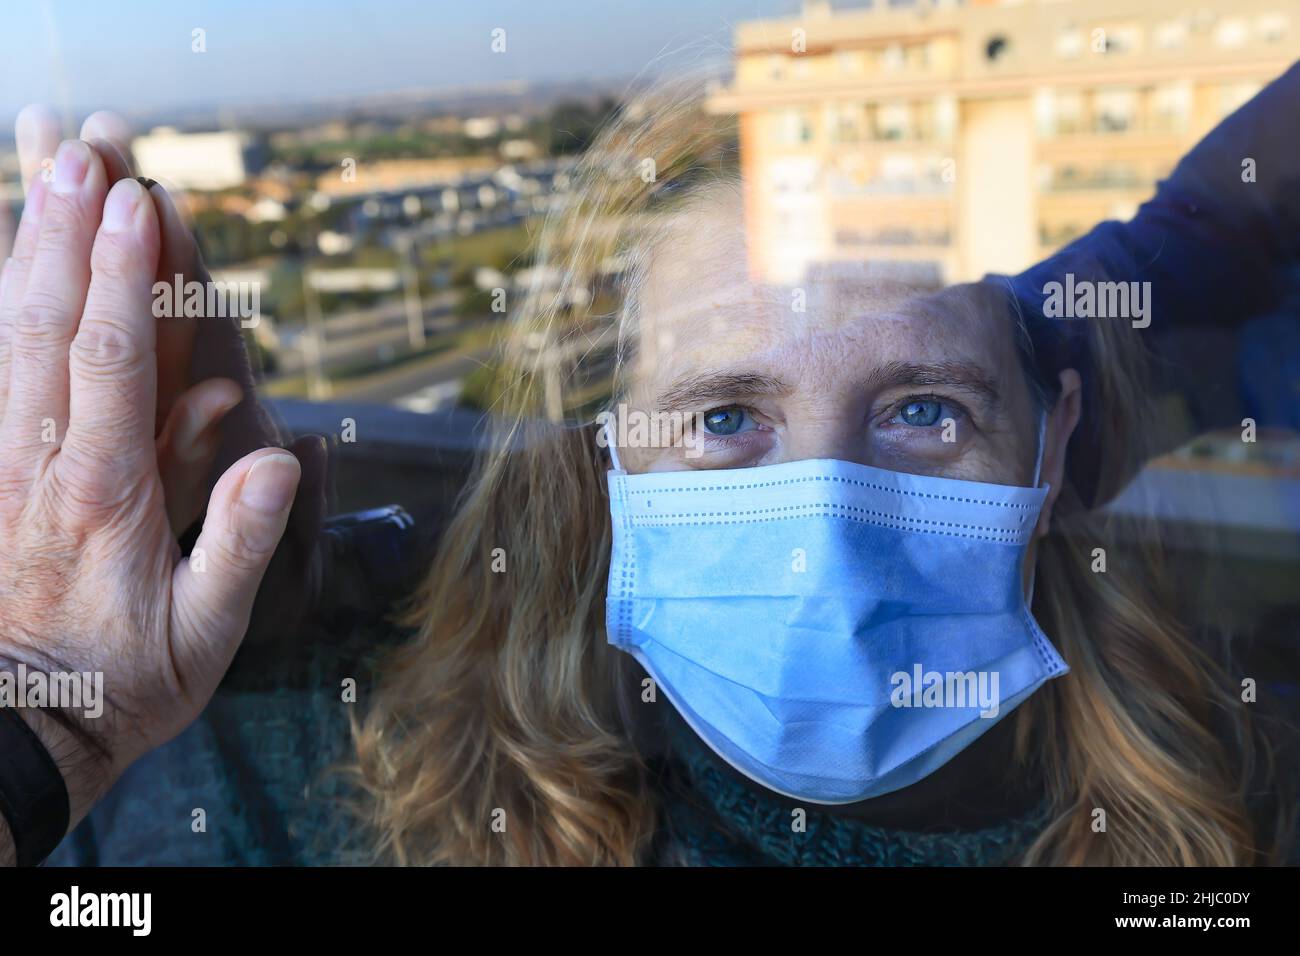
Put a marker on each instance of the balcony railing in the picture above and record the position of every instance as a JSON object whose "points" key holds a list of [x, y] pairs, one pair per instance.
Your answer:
{"points": [[418, 460]]}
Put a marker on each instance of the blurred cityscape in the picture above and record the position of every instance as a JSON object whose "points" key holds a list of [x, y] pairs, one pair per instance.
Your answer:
{"points": [[389, 236], [385, 240], [977, 137]]}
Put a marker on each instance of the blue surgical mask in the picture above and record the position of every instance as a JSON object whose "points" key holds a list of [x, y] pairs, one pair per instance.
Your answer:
{"points": [[833, 631]]}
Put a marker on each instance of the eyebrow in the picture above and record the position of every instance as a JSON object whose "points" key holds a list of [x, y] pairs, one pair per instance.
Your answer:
{"points": [[696, 390], [961, 375]]}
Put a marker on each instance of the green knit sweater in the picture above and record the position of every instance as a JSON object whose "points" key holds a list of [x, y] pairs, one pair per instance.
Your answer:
{"points": [[712, 818], [258, 763]]}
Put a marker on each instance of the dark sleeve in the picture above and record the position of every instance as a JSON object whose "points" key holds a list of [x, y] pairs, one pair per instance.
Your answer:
{"points": [[1216, 242], [1219, 244]]}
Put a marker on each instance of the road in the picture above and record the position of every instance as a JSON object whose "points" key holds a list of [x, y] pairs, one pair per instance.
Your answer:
{"points": [[423, 386], [377, 333], [433, 382]]}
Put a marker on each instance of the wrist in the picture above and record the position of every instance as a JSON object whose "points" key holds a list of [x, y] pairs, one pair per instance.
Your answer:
{"points": [[33, 795], [80, 759], [53, 769]]}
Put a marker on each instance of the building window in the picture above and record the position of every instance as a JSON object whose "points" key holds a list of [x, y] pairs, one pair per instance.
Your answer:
{"points": [[1234, 95], [846, 123], [893, 121], [945, 117], [1106, 176], [794, 127], [1116, 110], [1118, 38], [1272, 27], [898, 173], [1231, 33], [1172, 105], [1068, 107], [997, 48], [1045, 111], [1170, 35], [1069, 43]]}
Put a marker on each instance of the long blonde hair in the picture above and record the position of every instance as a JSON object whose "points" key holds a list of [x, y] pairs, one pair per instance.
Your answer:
{"points": [[508, 704]]}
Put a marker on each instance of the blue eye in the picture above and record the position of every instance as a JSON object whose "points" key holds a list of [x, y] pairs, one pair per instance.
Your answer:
{"points": [[921, 412], [724, 421]]}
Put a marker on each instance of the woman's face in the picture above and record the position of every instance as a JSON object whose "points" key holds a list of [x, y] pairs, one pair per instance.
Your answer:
{"points": [[874, 383]]}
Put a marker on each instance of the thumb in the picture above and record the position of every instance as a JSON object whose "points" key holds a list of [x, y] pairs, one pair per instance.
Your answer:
{"points": [[213, 589]]}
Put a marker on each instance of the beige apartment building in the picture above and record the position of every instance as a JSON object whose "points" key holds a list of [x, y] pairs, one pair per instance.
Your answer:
{"points": [[977, 137]]}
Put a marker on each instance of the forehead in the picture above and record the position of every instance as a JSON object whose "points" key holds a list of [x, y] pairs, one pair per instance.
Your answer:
{"points": [[700, 308]]}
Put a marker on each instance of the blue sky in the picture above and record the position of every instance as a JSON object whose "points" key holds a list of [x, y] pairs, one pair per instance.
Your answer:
{"points": [[136, 54]]}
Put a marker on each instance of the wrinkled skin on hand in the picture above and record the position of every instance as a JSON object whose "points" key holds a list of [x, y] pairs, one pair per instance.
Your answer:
{"points": [[207, 414], [92, 578]]}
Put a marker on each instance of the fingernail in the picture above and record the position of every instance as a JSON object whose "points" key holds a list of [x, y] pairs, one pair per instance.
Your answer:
{"points": [[196, 439], [270, 484], [229, 402], [27, 125], [27, 128], [202, 447], [193, 442], [34, 205], [70, 165], [119, 208], [146, 182]]}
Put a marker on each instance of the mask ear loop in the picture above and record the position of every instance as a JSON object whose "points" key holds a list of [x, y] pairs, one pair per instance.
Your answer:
{"points": [[1038, 473], [611, 445]]}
